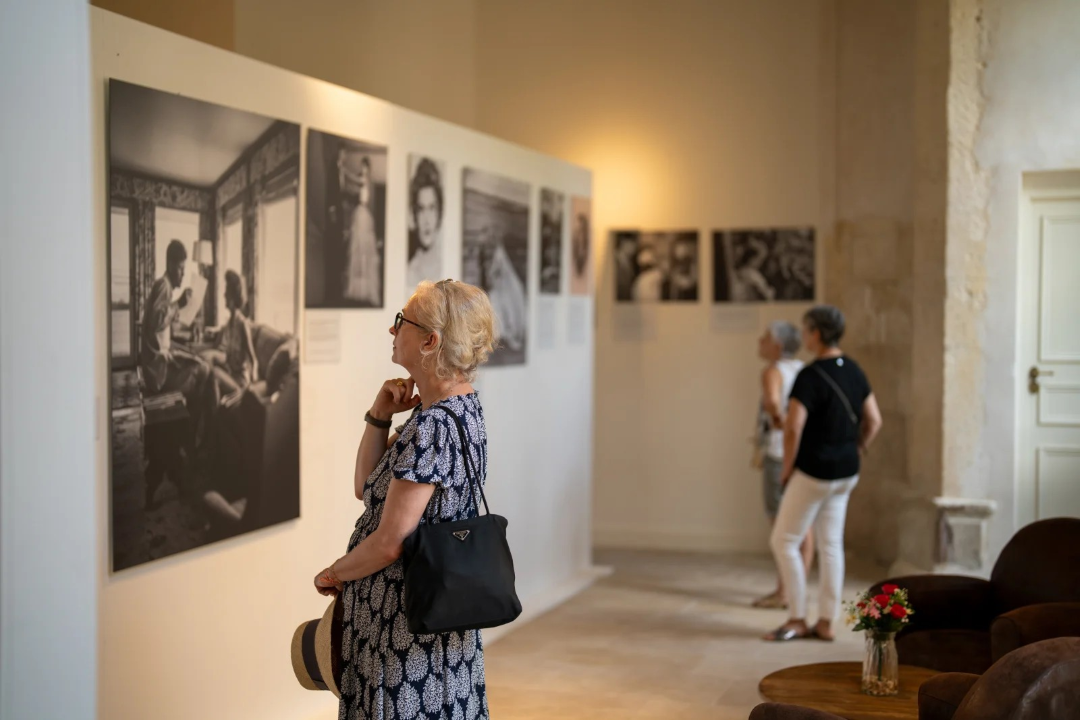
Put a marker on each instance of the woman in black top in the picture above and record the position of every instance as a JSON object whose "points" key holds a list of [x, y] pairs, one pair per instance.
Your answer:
{"points": [[832, 419]]}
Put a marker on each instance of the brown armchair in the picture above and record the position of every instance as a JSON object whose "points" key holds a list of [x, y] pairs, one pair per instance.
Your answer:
{"points": [[965, 624], [1040, 681]]}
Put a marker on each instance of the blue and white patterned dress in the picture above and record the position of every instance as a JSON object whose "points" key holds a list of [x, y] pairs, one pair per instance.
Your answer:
{"points": [[389, 673]]}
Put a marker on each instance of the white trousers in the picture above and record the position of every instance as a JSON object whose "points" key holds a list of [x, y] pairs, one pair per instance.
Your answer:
{"points": [[822, 503]]}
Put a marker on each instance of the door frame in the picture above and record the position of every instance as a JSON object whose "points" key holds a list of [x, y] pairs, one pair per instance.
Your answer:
{"points": [[1036, 187]]}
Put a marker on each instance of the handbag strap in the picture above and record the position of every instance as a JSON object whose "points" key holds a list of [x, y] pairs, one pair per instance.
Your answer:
{"points": [[471, 474], [843, 398]]}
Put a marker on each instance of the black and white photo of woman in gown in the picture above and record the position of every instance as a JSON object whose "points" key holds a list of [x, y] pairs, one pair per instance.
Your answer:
{"points": [[346, 222], [580, 246], [426, 206], [495, 255], [551, 232]]}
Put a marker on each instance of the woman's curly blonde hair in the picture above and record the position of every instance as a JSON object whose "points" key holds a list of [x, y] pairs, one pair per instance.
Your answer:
{"points": [[462, 317]]}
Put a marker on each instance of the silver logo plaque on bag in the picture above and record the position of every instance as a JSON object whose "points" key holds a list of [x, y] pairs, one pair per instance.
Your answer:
{"points": [[461, 534]]}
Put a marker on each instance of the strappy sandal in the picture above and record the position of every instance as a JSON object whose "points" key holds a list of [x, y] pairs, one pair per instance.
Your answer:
{"points": [[815, 635], [785, 634]]}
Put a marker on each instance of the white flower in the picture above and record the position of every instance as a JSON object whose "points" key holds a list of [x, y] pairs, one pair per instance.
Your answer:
{"points": [[408, 703], [416, 665]]}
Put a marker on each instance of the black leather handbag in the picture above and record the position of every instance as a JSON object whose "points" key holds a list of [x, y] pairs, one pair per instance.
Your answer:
{"points": [[460, 575]]}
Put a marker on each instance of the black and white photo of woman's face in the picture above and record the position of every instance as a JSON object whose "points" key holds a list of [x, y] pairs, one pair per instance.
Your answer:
{"points": [[581, 244], [428, 217]]}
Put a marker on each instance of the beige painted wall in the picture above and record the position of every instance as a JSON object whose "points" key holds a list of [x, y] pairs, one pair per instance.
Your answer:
{"points": [[208, 21], [885, 269], [691, 114], [1014, 108], [415, 53], [695, 113]]}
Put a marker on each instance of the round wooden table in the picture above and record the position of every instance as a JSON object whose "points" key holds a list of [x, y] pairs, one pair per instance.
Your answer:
{"points": [[835, 687]]}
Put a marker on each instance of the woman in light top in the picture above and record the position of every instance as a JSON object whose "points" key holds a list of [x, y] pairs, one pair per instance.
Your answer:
{"points": [[777, 347], [234, 362]]}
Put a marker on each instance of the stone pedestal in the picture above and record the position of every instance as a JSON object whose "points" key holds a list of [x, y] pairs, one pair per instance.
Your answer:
{"points": [[944, 535]]}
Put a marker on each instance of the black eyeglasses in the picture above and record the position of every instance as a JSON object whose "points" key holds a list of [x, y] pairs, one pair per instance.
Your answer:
{"points": [[400, 318]]}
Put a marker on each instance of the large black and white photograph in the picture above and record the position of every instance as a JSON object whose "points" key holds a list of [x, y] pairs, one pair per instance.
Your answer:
{"points": [[427, 194], [580, 246], [773, 265], [203, 301], [552, 204], [495, 255], [346, 222], [656, 266]]}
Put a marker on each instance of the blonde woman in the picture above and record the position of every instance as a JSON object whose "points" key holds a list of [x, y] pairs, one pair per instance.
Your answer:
{"points": [[443, 334], [777, 346]]}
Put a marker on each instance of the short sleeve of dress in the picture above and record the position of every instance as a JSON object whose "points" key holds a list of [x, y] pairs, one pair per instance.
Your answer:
{"points": [[425, 450]]}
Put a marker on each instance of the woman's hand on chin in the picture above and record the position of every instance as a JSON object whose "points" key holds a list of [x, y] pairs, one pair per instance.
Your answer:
{"points": [[396, 395]]}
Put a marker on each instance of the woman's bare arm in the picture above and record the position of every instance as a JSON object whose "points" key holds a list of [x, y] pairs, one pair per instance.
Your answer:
{"points": [[772, 387], [405, 505], [871, 422], [793, 430]]}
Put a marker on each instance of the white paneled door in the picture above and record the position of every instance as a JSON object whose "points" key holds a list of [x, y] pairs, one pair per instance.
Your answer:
{"points": [[1049, 359]]}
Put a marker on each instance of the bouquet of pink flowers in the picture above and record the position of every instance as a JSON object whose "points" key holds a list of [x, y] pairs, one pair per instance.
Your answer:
{"points": [[886, 612]]}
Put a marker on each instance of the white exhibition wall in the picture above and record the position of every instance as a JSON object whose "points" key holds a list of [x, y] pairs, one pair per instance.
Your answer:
{"points": [[48, 584], [206, 633]]}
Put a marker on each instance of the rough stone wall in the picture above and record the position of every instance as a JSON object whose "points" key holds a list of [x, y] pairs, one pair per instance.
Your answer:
{"points": [[965, 256], [1014, 110]]}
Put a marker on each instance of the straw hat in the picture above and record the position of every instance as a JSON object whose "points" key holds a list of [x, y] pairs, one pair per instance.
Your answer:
{"points": [[316, 650]]}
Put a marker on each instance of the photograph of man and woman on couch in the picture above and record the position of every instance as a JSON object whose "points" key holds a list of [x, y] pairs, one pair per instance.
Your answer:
{"points": [[204, 359]]}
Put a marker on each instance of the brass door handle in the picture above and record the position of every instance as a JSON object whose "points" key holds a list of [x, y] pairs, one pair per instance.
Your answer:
{"points": [[1033, 378]]}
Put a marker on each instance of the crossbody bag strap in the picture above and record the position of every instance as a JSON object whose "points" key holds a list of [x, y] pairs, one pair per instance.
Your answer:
{"points": [[471, 474], [843, 398]]}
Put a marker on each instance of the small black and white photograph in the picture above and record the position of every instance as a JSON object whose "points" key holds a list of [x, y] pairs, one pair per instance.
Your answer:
{"points": [[775, 265], [495, 255], [656, 266], [551, 233], [427, 193], [346, 222], [204, 364], [580, 246]]}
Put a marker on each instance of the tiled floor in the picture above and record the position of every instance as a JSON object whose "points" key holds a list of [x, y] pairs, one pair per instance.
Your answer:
{"points": [[665, 636]]}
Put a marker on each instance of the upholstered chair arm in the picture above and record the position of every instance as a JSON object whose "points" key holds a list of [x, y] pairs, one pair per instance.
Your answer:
{"points": [[1033, 623], [942, 694], [946, 602]]}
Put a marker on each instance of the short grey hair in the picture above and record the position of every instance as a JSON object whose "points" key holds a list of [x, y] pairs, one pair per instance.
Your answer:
{"points": [[787, 336], [828, 321]]}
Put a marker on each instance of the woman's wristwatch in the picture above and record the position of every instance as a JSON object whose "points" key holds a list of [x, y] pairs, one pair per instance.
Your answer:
{"points": [[381, 424]]}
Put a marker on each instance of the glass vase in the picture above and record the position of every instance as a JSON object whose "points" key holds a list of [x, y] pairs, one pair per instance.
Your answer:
{"points": [[881, 668]]}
